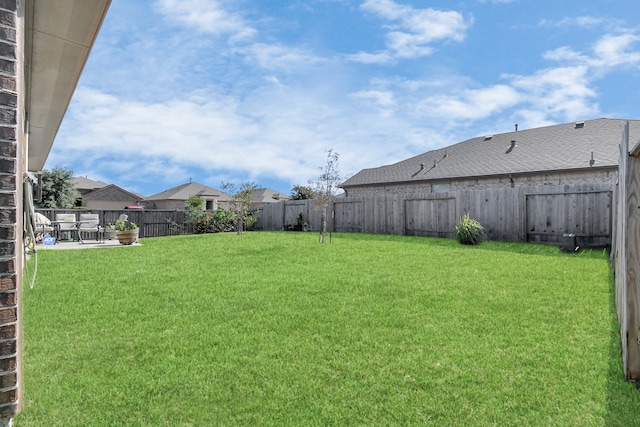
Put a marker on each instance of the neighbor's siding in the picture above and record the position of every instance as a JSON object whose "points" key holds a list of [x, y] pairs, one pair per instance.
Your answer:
{"points": [[588, 177]]}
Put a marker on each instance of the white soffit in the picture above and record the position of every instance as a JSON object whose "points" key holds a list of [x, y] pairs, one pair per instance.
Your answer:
{"points": [[59, 37]]}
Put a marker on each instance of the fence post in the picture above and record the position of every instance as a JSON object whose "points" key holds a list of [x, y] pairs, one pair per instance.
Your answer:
{"points": [[632, 255], [141, 226]]}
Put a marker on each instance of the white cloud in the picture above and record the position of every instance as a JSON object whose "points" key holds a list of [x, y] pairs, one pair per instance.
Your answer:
{"points": [[614, 50], [566, 54], [538, 99], [610, 51], [412, 31], [471, 104], [383, 101], [584, 22], [208, 16], [371, 58], [581, 21], [280, 57], [563, 92], [270, 132]]}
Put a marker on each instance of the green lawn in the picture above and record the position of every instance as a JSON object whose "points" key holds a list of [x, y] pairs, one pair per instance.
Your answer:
{"points": [[276, 329]]}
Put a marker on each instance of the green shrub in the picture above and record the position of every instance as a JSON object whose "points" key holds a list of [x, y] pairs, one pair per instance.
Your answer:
{"points": [[122, 225], [469, 231], [223, 221], [250, 222], [202, 222]]}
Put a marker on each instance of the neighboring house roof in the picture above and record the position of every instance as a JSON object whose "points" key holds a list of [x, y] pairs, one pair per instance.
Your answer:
{"points": [[111, 193], [552, 148], [85, 184], [184, 191], [267, 195]]}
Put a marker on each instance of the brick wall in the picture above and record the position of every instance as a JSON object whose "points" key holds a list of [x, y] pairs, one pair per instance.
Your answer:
{"points": [[10, 206]]}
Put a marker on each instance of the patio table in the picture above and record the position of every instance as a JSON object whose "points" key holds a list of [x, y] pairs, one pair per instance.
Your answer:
{"points": [[72, 227]]}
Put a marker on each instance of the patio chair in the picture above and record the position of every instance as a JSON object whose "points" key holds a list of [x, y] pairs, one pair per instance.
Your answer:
{"points": [[65, 226], [90, 223], [42, 226]]}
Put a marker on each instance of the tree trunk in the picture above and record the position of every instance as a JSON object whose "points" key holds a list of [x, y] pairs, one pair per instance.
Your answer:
{"points": [[323, 225], [239, 227]]}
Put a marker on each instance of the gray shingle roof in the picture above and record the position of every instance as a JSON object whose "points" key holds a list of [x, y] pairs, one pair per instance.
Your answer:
{"points": [[112, 193], [267, 195], [84, 183], [551, 148], [184, 191]]}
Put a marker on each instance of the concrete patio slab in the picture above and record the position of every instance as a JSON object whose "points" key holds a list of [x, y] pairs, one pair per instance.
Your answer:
{"points": [[88, 244]]}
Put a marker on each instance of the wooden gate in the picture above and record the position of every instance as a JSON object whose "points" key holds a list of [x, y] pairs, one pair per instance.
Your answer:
{"points": [[347, 216], [293, 210], [587, 215], [430, 217]]}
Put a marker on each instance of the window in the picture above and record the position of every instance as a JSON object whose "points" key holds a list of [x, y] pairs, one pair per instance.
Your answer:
{"points": [[439, 188], [211, 205]]}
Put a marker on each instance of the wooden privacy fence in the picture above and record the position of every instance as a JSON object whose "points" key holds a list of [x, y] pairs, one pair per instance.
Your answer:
{"points": [[152, 223], [535, 214], [625, 254]]}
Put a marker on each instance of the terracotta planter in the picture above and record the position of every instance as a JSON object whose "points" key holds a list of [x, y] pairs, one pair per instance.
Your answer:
{"points": [[127, 237]]}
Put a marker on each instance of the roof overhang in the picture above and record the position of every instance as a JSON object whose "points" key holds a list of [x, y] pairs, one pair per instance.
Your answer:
{"points": [[58, 38]]}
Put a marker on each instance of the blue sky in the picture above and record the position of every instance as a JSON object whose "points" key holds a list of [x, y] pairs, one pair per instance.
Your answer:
{"points": [[236, 90]]}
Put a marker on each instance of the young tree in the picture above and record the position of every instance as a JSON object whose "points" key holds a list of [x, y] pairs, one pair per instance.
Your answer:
{"points": [[302, 192], [325, 188], [241, 198], [58, 189], [195, 204], [196, 216]]}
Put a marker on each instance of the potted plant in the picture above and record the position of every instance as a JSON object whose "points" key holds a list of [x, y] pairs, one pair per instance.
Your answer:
{"points": [[126, 231]]}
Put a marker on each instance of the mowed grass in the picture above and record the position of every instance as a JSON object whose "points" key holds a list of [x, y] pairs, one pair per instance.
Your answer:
{"points": [[275, 329]]}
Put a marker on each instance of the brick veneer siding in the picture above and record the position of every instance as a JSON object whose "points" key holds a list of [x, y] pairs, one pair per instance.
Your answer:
{"points": [[551, 178], [11, 167]]}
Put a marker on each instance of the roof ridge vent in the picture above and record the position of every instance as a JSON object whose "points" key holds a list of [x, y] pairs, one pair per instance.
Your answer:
{"points": [[579, 125], [488, 137]]}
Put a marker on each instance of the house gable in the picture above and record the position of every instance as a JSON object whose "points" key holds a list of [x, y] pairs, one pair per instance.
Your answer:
{"points": [[184, 191], [111, 192], [175, 198]]}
